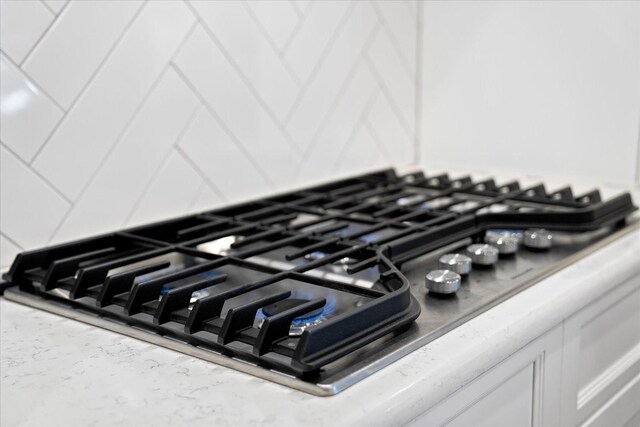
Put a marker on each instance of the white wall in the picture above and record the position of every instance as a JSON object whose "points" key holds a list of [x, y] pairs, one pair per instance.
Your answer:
{"points": [[542, 88], [116, 113]]}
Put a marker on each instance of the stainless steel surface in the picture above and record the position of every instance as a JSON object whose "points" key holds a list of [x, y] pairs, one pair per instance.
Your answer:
{"points": [[538, 238], [457, 263], [483, 289], [505, 244], [443, 281], [482, 254]]}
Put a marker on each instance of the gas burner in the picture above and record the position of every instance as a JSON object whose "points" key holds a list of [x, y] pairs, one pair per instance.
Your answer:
{"points": [[300, 323]]}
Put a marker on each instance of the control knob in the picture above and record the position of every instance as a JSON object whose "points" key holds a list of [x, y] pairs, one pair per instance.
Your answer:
{"points": [[482, 254], [538, 238], [443, 281], [506, 244], [457, 263]]}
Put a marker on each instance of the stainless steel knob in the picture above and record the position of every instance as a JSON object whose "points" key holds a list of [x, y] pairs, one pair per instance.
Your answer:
{"points": [[516, 234], [457, 263], [483, 254], [538, 238], [443, 281], [505, 244]]}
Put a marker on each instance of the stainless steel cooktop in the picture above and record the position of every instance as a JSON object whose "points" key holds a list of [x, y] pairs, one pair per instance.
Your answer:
{"points": [[320, 288]]}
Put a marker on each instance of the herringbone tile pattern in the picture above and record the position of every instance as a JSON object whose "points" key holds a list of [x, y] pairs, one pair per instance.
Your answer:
{"points": [[120, 112]]}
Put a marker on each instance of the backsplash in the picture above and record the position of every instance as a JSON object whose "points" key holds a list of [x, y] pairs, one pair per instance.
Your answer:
{"points": [[118, 113]]}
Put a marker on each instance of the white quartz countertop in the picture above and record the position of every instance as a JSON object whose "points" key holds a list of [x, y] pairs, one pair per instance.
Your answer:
{"points": [[56, 371]]}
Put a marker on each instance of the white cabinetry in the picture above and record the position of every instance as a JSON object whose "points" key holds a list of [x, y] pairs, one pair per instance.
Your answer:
{"points": [[601, 367], [585, 371], [521, 391]]}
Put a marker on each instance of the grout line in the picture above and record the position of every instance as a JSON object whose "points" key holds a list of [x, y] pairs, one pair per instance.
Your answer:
{"points": [[378, 140], [179, 148], [44, 3], [42, 177], [200, 172], [319, 63], [301, 20], [114, 145], [203, 185], [33, 82], [360, 124], [343, 86], [223, 125], [42, 36], [90, 81], [184, 42], [13, 242], [392, 38], [190, 120], [156, 172], [245, 80], [296, 8], [62, 9], [418, 92], [147, 187], [270, 40], [396, 110]]}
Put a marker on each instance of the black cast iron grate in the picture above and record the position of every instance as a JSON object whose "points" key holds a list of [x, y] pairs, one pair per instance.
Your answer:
{"points": [[249, 280]]}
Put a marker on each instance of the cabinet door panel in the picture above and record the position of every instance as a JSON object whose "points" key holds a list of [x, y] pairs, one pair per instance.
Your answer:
{"points": [[509, 404], [601, 358], [522, 390]]}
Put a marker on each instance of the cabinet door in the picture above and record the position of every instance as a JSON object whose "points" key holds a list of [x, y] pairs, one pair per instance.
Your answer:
{"points": [[523, 390], [601, 364]]}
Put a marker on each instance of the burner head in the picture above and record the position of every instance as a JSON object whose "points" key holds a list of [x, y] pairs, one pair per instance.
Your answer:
{"points": [[302, 322]]}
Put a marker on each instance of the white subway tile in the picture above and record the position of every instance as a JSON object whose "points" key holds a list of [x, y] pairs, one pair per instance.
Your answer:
{"points": [[269, 78], [303, 6], [237, 32], [403, 25], [309, 45], [400, 85], [278, 18], [171, 193], [389, 132], [206, 67], [30, 210], [206, 199], [219, 158], [103, 110], [334, 70], [22, 23], [28, 116], [343, 122], [72, 50], [123, 177], [56, 5], [361, 154]]}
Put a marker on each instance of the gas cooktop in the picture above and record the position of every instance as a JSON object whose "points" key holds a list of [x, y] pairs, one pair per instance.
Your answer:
{"points": [[319, 288]]}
